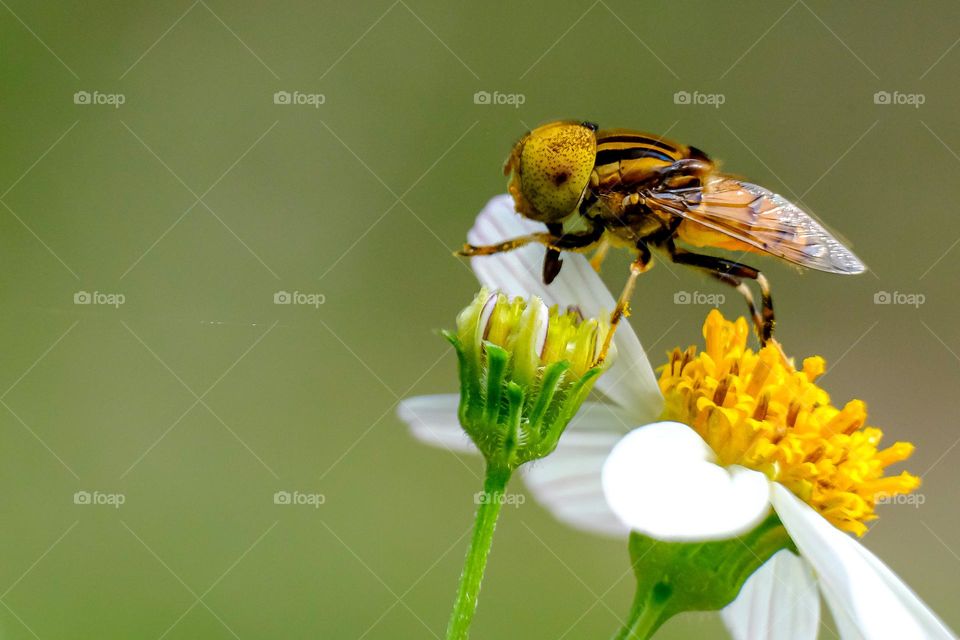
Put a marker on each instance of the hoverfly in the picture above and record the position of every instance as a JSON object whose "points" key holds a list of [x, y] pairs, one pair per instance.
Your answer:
{"points": [[596, 188]]}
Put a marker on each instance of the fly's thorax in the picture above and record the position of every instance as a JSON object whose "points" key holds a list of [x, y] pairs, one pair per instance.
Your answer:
{"points": [[629, 161], [626, 217], [551, 169]]}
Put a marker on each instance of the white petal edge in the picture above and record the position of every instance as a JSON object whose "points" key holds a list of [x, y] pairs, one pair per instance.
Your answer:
{"points": [[867, 598], [662, 480], [630, 381], [780, 601], [433, 420], [568, 482]]}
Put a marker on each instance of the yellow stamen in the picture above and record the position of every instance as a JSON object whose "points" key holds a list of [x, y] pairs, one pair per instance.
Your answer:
{"points": [[754, 409]]}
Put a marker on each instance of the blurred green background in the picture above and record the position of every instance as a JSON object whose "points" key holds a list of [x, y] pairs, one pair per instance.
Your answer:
{"points": [[199, 198]]}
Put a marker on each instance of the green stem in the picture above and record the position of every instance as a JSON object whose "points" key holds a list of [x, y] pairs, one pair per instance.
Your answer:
{"points": [[476, 560], [646, 614]]}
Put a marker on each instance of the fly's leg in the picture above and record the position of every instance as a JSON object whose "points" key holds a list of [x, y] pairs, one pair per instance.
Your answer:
{"points": [[731, 273], [596, 260], [469, 250], [551, 259], [554, 239], [638, 266]]}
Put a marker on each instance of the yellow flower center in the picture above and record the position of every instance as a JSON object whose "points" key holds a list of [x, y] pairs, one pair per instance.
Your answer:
{"points": [[754, 409]]}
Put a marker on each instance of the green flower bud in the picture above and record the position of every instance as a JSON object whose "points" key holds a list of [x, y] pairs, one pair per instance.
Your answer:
{"points": [[524, 372]]}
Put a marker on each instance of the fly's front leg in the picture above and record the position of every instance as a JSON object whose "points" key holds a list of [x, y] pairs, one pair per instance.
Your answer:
{"points": [[551, 259], [559, 241], [554, 239], [574, 241], [731, 273], [638, 266], [469, 250]]}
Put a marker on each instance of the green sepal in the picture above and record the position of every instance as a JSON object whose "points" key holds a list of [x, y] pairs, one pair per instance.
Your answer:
{"points": [[673, 577], [508, 422]]}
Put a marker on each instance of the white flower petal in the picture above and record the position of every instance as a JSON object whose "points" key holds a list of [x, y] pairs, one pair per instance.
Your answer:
{"points": [[433, 420], [630, 381], [779, 601], [567, 482], [662, 481], [867, 598]]}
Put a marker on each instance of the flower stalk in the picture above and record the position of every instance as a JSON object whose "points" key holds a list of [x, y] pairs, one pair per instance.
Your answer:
{"points": [[485, 522], [646, 615]]}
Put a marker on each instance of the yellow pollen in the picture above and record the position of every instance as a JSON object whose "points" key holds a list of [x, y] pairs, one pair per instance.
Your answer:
{"points": [[756, 410]]}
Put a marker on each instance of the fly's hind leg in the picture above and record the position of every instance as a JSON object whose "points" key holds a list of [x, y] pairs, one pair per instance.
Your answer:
{"points": [[744, 290], [638, 266], [732, 273]]}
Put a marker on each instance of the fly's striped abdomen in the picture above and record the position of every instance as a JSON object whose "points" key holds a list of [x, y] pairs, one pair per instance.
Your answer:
{"points": [[627, 157]]}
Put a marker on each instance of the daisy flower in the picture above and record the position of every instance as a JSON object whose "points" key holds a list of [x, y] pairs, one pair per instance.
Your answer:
{"points": [[705, 452]]}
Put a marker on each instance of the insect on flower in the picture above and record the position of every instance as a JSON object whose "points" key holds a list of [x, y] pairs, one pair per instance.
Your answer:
{"points": [[596, 188]]}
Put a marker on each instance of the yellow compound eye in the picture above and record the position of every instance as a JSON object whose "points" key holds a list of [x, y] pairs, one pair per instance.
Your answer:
{"points": [[552, 167]]}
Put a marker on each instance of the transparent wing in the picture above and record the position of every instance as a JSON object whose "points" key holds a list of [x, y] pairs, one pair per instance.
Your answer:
{"points": [[762, 219]]}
